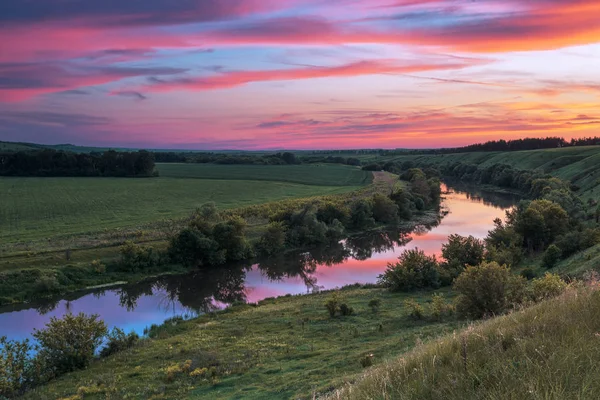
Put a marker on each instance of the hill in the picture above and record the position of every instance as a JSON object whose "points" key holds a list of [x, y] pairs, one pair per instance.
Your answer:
{"points": [[579, 165], [549, 351]]}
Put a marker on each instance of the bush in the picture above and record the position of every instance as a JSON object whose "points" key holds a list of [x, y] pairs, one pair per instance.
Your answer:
{"points": [[414, 270], [374, 304], [346, 310], [551, 256], [332, 304], [69, 344], [415, 310], [439, 307], [367, 360], [551, 285], [18, 371], [137, 258], [528, 273], [118, 341], [487, 289]]}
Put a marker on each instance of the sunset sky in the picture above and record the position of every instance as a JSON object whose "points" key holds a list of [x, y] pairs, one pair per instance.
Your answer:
{"points": [[297, 74]]}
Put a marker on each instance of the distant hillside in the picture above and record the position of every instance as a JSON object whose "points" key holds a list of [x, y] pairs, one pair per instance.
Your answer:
{"points": [[579, 165], [23, 146]]}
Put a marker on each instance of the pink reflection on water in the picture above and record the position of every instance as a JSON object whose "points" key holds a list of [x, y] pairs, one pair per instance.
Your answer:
{"points": [[466, 217]]}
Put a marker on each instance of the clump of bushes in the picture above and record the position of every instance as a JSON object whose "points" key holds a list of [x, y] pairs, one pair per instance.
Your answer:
{"points": [[118, 341], [63, 346], [374, 305], [438, 308], [335, 304], [550, 285], [415, 310], [413, 271], [488, 289], [137, 258], [551, 256]]}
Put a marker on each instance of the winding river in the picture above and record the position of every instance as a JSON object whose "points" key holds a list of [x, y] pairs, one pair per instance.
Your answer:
{"points": [[357, 260]]}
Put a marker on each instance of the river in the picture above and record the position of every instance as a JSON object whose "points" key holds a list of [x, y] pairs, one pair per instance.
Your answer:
{"points": [[357, 260]]}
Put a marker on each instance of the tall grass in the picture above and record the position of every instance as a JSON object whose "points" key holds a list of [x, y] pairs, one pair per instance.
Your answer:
{"points": [[548, 351]]}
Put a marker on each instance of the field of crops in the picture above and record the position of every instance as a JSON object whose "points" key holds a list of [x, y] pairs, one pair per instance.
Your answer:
{"points": [[314, 174], [39, 208]]}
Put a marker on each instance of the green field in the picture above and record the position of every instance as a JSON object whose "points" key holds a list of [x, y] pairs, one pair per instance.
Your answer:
{"points": [[286, 348], [311, 174], [39, 208]]}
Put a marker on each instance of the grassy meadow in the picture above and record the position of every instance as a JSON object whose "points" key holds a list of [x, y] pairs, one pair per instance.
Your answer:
{"points": [[39, 208], [283, 348]]}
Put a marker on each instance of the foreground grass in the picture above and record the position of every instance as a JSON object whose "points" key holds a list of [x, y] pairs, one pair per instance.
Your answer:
{"points": [[284, 348], [548, 351]]}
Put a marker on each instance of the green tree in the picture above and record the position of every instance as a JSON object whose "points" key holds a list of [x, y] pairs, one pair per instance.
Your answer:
{"points": [[461, 251], [69, 344], [361, 214], [414, 270], [193, 248], [230, 236], [273, 240], [551, 256], [384, 209]]}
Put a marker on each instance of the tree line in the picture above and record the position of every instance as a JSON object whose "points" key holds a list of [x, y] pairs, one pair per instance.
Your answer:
{"points": [[62, 163]]}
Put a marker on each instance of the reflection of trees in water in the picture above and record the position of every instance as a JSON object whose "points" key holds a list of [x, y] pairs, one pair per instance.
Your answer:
{"points": [[303, 264], [203, 290], [197, 291], [488, 198], [363, 247]]}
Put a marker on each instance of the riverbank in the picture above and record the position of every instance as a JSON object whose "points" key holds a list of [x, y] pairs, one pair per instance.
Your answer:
{"points": [[281, 348], [25, 282]]}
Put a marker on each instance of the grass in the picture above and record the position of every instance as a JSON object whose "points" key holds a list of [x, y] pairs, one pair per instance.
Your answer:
{"points": [[40, 208], [284, 348], [580, 165], [312, 174], [548, 351]]}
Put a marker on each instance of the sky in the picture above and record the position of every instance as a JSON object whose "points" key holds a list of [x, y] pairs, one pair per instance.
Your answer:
{"points": [[297, 74]]}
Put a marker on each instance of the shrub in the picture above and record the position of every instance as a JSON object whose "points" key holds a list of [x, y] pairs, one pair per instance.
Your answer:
{"points": [[69, 344], [528, 273], [332, 304], [414, 270], [137, 258], [415, 310], [439, 307], [98, 266], [118, 341], [346, 310], [551, 256], [18, 371], [374, 304], [367, 360], [486, 289], [550, 285]]}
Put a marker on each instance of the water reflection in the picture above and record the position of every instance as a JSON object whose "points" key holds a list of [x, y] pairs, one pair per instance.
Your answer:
{"points": [[357, 259]]}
